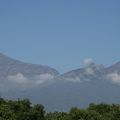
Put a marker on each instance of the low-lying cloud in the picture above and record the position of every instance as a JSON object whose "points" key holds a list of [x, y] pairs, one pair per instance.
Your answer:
{"points": [[43, 78], [89, 71], [18, 78], [91, 67], [114, 77], [88, 61], [21, 82]]}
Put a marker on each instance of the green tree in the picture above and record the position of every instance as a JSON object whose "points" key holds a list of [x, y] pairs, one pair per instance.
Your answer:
{"points": [[6, 113], [37, 112], [78, 114], [58, 116], [21, 108]]}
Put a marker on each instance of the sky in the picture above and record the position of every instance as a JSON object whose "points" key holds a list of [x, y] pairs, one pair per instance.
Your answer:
{"points": [[61, 33]]}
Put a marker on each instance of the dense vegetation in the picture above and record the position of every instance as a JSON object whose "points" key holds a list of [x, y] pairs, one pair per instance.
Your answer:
{"points": [[24, 110]]}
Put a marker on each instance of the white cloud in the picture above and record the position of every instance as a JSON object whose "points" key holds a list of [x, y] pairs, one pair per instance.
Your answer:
{"points": [[88, 61], [91, 66], [18, 78], [114, 77], [21, 82], [43, 78], [17, 82], [74, 80], [89, 71]]}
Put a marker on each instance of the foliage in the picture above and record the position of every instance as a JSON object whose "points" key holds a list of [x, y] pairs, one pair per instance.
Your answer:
{"points": [[24, 110], [6, 113]]}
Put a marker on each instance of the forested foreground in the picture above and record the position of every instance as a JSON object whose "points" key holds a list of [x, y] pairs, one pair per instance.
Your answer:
{"points": [[24, 110]]}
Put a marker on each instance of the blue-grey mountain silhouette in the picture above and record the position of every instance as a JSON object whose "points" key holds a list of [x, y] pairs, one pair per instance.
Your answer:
{"points": [[43, 84]]}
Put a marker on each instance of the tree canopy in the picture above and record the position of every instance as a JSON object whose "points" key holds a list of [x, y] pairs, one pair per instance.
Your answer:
{"points": [[22, 109]]}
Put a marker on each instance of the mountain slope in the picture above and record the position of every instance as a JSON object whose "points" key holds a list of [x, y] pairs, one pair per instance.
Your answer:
{"points": [[9, 66], [17, 75], [42, 84]]}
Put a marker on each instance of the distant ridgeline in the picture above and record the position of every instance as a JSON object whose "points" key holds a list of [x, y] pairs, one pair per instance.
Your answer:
{"points": [[93, 83], [22, 109]]}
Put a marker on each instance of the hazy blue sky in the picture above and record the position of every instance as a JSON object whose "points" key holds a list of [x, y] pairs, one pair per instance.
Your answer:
{"points": [[61, 33]]}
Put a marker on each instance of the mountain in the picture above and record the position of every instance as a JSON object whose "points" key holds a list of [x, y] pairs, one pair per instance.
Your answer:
{"points": [[43, 84], [9, 66], [87, 73], [15, 74]]}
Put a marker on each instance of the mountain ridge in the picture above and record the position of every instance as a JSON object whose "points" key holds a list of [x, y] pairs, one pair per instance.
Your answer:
{"points": [[79, 87], [13, 62]]}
